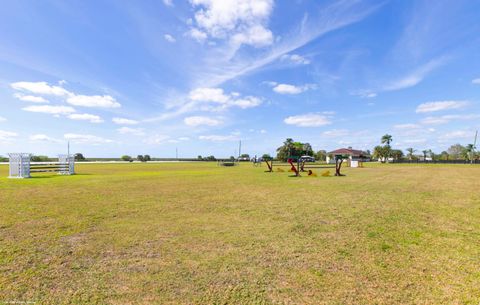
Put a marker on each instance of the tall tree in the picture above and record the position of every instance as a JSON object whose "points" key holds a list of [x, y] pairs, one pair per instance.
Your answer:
{"points": [[321, 155], [456, 151], [425, 152], [397, 154], [380, 153], [387, 139], [410, 153], [470, 148]]}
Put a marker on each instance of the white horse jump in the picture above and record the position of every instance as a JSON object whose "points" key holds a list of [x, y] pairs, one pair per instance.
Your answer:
{"points": [[21, 165]]}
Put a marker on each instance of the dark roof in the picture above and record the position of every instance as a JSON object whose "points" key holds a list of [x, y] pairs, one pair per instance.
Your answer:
{"points": [[347, 151]]}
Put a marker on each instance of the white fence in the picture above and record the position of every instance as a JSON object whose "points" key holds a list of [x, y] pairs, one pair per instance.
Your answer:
{"points": [[22, 167]]}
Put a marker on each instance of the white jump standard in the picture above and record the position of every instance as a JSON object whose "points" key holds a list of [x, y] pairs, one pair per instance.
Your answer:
{"points": [[21, 165]]}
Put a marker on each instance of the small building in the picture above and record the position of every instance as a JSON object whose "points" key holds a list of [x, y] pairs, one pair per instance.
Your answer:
{"points": [[353, 154]]}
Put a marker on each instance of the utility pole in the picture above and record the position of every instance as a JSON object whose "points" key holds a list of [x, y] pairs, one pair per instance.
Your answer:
{"points": [[239, 148], [68, 149]]}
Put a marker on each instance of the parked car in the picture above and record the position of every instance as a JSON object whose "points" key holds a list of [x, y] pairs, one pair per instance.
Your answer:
{"points": [[307, 159]]}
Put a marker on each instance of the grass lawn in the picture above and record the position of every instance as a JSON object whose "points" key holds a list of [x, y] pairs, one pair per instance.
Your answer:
{"points": [[195, 233]]}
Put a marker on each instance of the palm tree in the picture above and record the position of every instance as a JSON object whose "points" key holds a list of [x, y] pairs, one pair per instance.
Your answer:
{"points": [[469, 149], [387, 139], [425, 152], [410, 153]]}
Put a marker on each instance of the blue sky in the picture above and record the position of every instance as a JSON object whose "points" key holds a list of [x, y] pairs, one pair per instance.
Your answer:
{"points": [[146, 77]]}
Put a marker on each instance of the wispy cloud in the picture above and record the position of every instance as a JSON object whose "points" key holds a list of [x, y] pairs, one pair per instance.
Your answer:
{"points": [[86, 139], [30, 98], [85, 117], [292, 89], [444, 119], [440, 106], [50, 109], [124, 121], [416, 77], [218, 138], [169, 38], [42, 138], [132, 131], [6, 136], [201, 120], [308, 120]]}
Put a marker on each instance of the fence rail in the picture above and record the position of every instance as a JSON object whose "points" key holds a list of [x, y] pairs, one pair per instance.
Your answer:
{"points": [[437, 161]]}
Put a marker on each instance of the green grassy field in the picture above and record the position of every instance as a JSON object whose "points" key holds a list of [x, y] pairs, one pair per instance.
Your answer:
{"points": [[195, 233]]}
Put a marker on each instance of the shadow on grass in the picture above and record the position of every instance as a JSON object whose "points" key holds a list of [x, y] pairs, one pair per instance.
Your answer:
{"points": [[57, 176]]}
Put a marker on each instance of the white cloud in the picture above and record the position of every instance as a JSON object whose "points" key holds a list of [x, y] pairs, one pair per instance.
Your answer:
{"points": [[2, 119], [287, 89], [256, 36], [169, 38], [105, 101], [240, 21], [7, 135], [123, 121], [263, 131], [201, 120], [308, 120], [132, 131], [168, 2], [440, 105], [247, 102], [30, 98], [292, 89], [184, 139], [214, 99], [407, 126], [336, 133], [86, 117], [459, 134], [416, 76], [40, 88], [157, 139], [218, 138], [86, 139], [214, 95], [364, 93], [444, 119], [476, 81], [295, 58], [42, 138], [198, 35], [50, 109]]}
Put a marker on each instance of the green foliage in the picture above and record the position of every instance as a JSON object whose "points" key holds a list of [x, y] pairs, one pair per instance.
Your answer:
{"points": [[387, 139], [266, 157], [396, 154], [79, 157], [321, 155], [291, 148], [147, 158], [40, 158], [3, 159], [140, 158], [381, 152], [410, 152], [126, 158], [456, 151]]}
